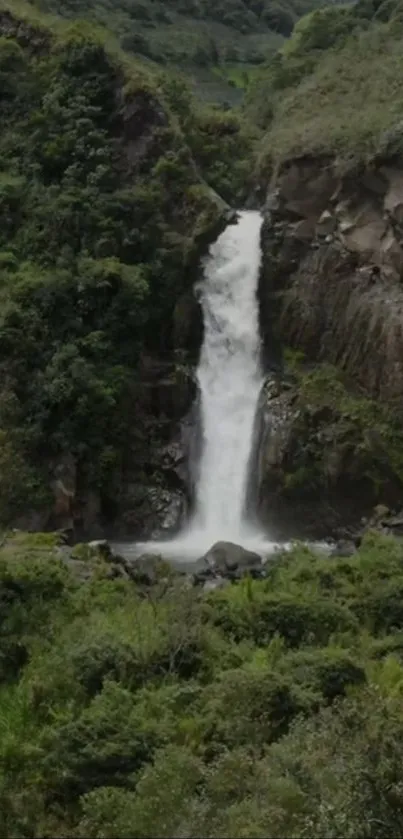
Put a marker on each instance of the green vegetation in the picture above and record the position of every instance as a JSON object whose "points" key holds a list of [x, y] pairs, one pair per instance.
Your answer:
{"points": [[271, 708], [104, 208], [334, 87], [197, 33], [340, 435]]}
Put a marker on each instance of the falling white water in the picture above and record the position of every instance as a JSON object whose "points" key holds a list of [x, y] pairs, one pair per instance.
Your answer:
{"points": [[230, 379]]}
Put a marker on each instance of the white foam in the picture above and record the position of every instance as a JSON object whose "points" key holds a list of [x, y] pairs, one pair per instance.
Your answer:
{"points": [[230, 380]]}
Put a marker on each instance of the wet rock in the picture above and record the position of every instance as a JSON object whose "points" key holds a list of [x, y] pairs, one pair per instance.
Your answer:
{"points": [[327, 224], [151, 512], [170, 508], [174, 463], [225, 557]]}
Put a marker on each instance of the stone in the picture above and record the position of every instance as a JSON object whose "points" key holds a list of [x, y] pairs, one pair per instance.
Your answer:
{"points": [[327, 223], [150, 512], [303, 230], [224, 557], [395, 524], [380, 515]]}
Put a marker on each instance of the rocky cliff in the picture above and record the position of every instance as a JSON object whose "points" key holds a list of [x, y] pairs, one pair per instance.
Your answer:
{"points": [[334, 262], [331, 294]]}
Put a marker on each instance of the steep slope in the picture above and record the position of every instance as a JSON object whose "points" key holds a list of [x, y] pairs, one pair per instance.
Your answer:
{"points": [[215, 43], [103, 213], [332, 165]]}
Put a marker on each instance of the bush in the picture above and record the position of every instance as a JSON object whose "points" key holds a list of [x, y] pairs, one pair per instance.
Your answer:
{"points": [[250, 612], [106, 744]]}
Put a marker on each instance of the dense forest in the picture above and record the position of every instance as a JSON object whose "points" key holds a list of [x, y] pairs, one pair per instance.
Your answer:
{"points": [[104, 206], [146, 705]]}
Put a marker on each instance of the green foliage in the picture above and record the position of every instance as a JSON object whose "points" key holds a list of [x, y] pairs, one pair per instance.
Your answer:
{"points": [[98, 227], [196, 35], [293, 729], [331, 89], [363, 438]]}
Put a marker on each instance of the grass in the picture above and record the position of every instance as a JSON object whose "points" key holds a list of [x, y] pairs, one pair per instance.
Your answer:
{"points": [[346, 104]]}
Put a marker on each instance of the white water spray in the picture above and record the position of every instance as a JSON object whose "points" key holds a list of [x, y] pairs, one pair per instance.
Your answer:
{"points": [[230, 380], [229, 377]]}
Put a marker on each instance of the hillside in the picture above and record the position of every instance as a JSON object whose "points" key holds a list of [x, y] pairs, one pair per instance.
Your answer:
{"points": [[104, 208], [216, 44], [334, 86], [329, 171]]}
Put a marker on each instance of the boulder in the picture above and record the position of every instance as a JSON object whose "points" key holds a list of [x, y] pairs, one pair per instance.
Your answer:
{"points": [[225, 558]]}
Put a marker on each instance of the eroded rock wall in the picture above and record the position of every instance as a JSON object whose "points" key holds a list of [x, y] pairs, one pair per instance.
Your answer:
{"points": [[333, 266], [331, 290]]}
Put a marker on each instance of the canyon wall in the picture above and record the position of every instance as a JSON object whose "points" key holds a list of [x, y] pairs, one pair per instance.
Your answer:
{"points": [[331, 299]]}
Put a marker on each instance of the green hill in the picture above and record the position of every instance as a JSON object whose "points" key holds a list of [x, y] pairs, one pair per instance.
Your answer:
{"points": [[217, 44], [334, 88], [105, 202]]}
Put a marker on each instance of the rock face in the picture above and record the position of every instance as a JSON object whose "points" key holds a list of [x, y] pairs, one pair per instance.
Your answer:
{"points": [[330, 289], [333, 262]]}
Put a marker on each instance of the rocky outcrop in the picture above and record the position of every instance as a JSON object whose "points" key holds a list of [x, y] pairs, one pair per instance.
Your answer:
{"points": [[331, 291], [155, 488], [155, 483], [324, 457], [333, 262]]}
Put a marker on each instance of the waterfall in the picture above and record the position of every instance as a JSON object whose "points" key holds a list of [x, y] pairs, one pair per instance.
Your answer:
{"points": [[230, 379]]}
